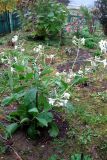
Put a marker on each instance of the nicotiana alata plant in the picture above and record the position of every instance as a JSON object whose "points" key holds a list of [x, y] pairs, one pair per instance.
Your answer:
{"points": [[33, 86]]}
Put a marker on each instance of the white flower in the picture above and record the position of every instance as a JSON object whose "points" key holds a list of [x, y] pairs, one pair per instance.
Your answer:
{"points": [[3, 60], [51, 56], [15, 47], [65, 102], [83, 41], [66, 95], [104, 62], [59, 104], [57, 74], [103, 46], [15, 39], [87, 70], [15, 58], [71, 74], [78, 41], [51, 101], [93, 63], [80, 72], [68, 80], [38, 49], [12, 69], [22, 49]]}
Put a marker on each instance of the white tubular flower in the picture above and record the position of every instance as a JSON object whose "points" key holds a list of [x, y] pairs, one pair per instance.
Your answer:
{"points": [[78, 41], [12, 69], [15, 39], [68, 80], [66, 95], [104, 62], [80, 72], [103, 46], [16, 60], [57, 74], [93, 63], [51, 101], [22, 49], [51, 56], [83, 41], [64, 102], [59, 104], [15, 47], [3, 60], [87, 70], [39, 49]]}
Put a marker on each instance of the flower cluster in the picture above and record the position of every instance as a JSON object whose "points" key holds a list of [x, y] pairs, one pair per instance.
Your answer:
{"points": [[62, 101], [16, 45], [103, 46], [38, 49], [78, 41]]}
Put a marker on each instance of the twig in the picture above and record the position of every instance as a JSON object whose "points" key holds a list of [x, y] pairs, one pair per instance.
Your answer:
{"points": [[16, 154], [9, 146]]}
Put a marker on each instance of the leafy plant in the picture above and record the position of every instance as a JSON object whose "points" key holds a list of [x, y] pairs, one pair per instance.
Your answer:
{"points": [[88, 15], [33, 112], [50, 17], [31, 88], [101, 5], [80, 157]]}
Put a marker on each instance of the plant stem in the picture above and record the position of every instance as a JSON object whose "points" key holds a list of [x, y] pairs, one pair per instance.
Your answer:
{"points": [[75, 59]]}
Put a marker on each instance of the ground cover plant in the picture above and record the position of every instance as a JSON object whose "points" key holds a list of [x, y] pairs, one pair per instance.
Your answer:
{"points": [[53, 98]]}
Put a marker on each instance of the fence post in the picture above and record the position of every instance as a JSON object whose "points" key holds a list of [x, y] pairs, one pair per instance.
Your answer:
{"points": [[10, 21]]}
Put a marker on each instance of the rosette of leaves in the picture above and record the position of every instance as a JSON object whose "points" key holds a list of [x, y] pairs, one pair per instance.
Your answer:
{"points": [[34, 111]]}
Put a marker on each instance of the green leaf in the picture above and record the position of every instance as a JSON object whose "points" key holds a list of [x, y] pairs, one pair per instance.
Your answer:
{"points": [[33, 110], [79, 80], [79, 157], [13, 97], [24, 120], [69, 106], [32, 132], [51, 14], [44, 118], [19, 67], [54, 131], [30, 96], [53, 157], [7, 100], [10, 129], [47, 70]]}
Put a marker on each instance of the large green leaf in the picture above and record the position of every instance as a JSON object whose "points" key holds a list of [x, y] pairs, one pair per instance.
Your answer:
{"points": [[7, 100], [25, 120], [13, 97], [32, 132], [10, 129], [44, 118], [19, 68], [33, 110], [30, 96], [54, 131]]}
